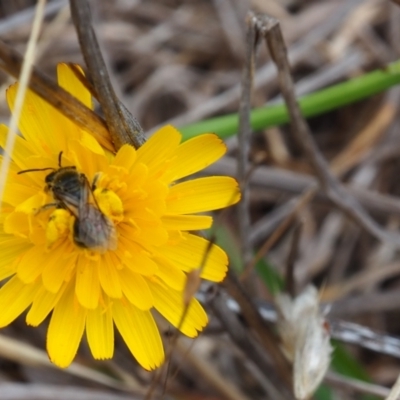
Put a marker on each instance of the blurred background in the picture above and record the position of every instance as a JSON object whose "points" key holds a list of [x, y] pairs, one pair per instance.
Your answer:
{"points": [[181, 62]]}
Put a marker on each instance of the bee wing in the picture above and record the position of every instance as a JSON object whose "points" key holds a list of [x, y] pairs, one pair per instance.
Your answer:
{"points": [[68, 201], [94, 230]]}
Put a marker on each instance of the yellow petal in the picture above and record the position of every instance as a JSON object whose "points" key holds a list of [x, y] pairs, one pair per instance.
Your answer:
{"points": [[194, 155], [15, 193], [39, 123], [31, 264], [22, 149], [194, 252], [17, 223], [169, 303], [159, 149], [68, 81], [90, 142], [86, 159], [108, 275], [42, 305], [100, 333], [15, 297], [151, 203], [145, 233], [87, 283], [10, 249], [145, 210], [170, 274], [135, 289], [58, 267], [140, 333], [203, 194], [34, 179], [32, 204], [142, 264], [125, 157], [186, 222], [65, 329]]}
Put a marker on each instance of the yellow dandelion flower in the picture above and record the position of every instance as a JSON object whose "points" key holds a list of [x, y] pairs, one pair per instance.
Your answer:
{"points": [[124, 255]]}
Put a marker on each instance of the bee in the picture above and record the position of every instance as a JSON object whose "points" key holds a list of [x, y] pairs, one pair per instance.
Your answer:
{"points": [[71, 190]]}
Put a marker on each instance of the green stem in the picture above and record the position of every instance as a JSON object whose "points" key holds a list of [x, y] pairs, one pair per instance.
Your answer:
{"points": [[313, 104]]}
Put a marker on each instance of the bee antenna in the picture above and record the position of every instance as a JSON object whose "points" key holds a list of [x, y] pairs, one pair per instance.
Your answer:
{"points": [[33, 170], [59, 159]]}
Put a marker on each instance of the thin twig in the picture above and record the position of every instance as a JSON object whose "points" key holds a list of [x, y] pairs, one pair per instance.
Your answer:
{"points": [[355, 385], [395, 391], [255, 321], [247, 344], [122, 126], [343, 331], [301, 202], [288, 182], [290, 284], [210, 374], [332, 187], [268, 223], [266, 74], [26, 354], [45, 391], [245, 137]]}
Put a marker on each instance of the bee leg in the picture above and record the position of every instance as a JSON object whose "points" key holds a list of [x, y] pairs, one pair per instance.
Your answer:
{"points": [[45, 207], [95, 179], [91, 188]]}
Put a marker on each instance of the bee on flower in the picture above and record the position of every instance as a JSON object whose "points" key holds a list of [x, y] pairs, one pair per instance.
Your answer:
{"points": [[99, 240]]}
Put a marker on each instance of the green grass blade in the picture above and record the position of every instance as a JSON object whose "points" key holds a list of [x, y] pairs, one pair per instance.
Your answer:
{"points": [[311, 105]]}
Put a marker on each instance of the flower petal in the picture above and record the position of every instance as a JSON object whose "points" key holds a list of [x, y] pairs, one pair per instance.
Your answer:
{"points": [[87, 283], [22, 149], [140, 333], [11, 248], [100, 332], [170, 274], [142, 264], [203, 194], [15, 193], [58, 266], [65, 329], [159, 149], [42, 305], [169, 303], [108, 275], [18, 224], [69, 81], [15, 297], [186, 222], [136, 290], [31, 264], [86, 157], [125, 157], [194, 155], [38, 123], [193, 251]]}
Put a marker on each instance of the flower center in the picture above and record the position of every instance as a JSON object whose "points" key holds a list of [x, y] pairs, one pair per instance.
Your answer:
{"points": [[109, 203], [58, 226], [93, 226]]}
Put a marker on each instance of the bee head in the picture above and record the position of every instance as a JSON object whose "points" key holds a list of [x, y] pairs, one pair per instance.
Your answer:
{"points": [[63, 174]]}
